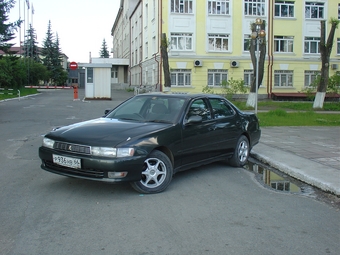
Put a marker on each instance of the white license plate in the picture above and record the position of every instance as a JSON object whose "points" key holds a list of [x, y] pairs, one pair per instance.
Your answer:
{"points": [[66, 161]]}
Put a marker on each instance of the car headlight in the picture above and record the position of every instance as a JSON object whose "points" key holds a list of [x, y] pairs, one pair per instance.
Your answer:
{"points": [[48, 143], [112, 152]]}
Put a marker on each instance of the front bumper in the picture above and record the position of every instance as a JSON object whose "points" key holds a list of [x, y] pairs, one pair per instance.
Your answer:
{"points": [[94, 168]]}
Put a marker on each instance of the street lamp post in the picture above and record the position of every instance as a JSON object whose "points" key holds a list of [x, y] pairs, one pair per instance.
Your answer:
{"points": [[258, 35]]}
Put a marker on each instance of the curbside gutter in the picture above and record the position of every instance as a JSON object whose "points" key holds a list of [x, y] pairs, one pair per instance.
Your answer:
{"points": [[313, 173]]}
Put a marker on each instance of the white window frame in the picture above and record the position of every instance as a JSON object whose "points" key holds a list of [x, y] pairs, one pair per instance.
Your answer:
{"points": [[216, 77], [217, 42], [181, 6], [218, 7], [251, 7], [310, 77], [312, 45], [284, 9], [180, 77], [181, 41], [312, 10], [248, 76], [283, 78], [284, 44]]}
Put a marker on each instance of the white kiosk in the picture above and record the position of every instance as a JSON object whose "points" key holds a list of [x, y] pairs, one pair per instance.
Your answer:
{"points": [[98, 77]]}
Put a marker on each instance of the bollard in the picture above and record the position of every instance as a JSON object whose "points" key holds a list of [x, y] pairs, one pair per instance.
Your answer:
{"points": [[75, 93]]}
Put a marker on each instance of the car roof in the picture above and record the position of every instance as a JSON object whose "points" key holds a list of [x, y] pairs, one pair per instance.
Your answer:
{"points": [[180, 95]]}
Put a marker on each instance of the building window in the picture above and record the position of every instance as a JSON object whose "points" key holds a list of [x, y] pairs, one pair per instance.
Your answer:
{"points": [[89, 75], [314, 10], [312, 45], [217, 42], [338, 11], [180, 77], [217, 76], [283, 43], [248, 76], [181, 41], [283, 78], [246, 42], [310, 77], [146, 50], [284, 9], [181, 6], [114, 72], [254, 7], [338, 47], [219, 7]]}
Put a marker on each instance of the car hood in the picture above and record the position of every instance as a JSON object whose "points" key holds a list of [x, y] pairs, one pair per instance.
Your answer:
{"points": [[105, 131]]}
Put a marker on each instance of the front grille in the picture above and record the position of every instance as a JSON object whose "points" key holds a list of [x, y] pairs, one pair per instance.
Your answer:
{"points": [[75, 148], [87, 173]]}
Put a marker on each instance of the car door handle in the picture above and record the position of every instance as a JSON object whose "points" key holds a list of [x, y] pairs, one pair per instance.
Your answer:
{"points": [[221, 125]]}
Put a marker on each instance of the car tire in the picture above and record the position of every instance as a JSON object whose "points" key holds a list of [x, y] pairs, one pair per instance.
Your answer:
{"points": [[156, 175], [241, 152]]}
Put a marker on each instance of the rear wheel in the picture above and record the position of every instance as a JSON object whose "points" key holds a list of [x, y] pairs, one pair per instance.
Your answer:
{"points": [[241, 152], [156, 175]]}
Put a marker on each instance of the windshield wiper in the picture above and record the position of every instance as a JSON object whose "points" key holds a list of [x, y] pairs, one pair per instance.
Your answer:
{"points": [[160, 121]]}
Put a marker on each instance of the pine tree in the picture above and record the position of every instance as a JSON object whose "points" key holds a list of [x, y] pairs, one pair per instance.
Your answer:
{"points": [[104, 53], [59, 75], [30, 45], [48, 49], [7, 30]]}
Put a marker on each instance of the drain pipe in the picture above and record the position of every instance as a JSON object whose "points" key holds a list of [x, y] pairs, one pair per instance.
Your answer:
{"points": [[270, 50]]}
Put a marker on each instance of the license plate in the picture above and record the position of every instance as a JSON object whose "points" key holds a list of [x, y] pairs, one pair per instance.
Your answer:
{"points": [[66, 161]]}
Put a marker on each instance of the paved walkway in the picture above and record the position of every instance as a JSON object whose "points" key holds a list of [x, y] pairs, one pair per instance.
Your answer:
{"points": [[310, 154]]}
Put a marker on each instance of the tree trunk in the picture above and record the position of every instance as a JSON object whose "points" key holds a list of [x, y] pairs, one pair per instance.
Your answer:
{"points": [[325, 52], [165, 60], [253, 54]]}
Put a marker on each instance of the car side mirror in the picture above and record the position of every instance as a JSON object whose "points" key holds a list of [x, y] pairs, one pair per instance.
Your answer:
{"points": [[194, 120], [107, 111]]}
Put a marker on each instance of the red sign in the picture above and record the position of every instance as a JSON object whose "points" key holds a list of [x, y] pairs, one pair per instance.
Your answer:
{"points": [[73, 65]]}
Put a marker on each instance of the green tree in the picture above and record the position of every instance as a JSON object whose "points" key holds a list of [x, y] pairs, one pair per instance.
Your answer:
{"points": [[30, 48], [48, 49], [52, 58], [7, 30], [104, 53], [59, 75], [9, 72]]}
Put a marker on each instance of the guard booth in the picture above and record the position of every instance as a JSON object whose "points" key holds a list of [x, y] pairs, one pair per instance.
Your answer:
{"points": [[103, 74], [98, 81]]}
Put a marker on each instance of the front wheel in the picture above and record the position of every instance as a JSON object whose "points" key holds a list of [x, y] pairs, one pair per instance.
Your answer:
{"points": [[241, 152], [156, 175]]}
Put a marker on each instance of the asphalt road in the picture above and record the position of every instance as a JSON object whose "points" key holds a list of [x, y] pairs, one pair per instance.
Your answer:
{"points": [[213, 209]]}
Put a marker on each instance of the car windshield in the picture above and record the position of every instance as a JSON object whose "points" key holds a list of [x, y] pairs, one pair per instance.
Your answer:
{"points": [[149, 108]]}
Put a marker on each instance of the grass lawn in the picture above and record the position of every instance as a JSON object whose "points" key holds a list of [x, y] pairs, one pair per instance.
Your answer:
{"points": [[23, 92], [282, 118]]}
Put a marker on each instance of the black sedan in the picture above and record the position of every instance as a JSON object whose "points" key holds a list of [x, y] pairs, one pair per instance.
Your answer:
{"points": [[149, 137]]}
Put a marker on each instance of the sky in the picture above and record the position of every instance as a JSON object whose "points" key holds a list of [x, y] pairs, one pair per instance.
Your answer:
{"points": [[81, 25]]}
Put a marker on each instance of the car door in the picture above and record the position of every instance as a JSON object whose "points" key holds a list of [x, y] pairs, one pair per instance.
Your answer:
{"points": [[197, 142], [227, 125]]}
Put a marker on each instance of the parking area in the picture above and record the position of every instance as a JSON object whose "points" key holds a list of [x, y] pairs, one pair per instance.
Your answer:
{"points": [[213, 209]]}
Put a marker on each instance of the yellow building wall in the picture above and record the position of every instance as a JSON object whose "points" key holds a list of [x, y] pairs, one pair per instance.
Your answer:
{"points": [[297, 61]]}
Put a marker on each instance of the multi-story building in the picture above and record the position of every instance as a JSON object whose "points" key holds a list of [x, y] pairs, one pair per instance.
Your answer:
{"points": [[209, 42]]}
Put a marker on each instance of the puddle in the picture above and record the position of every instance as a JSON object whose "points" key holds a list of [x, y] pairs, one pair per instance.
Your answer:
{"points": [[276, 180]]}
